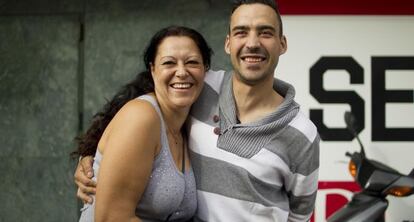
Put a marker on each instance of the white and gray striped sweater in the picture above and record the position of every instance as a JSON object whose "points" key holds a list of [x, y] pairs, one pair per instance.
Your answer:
{"points": [[261, 171]]}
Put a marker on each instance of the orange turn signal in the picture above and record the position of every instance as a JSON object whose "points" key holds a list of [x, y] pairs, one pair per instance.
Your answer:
{"points": [[352, 168], [400, 191]]}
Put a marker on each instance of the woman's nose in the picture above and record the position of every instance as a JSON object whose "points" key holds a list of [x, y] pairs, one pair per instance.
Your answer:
{"points": [[181, 71]]}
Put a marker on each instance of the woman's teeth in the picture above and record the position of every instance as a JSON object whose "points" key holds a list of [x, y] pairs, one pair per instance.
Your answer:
{"points": [[181, 85]]}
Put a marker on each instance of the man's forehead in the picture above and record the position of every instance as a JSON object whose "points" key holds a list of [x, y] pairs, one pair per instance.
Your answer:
{"points": [[252, 15]]}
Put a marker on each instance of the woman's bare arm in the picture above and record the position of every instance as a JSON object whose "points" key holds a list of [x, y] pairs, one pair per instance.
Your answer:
{"points": [[126, 166]]}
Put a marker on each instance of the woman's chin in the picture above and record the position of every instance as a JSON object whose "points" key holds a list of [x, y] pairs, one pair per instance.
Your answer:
{"points": [[182, 103]]}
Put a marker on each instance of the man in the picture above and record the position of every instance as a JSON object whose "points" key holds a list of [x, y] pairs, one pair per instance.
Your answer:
{"points": [[254, 153]]}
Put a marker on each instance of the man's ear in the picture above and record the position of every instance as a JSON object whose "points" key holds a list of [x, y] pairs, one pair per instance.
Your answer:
{"points": [[283, 45], [227, 45]]}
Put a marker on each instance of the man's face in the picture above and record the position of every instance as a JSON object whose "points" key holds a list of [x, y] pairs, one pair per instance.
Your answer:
{"points": [[254, 43]]}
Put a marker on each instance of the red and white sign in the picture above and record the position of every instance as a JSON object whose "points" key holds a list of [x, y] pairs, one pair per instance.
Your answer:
{"points": [[332, 195]]}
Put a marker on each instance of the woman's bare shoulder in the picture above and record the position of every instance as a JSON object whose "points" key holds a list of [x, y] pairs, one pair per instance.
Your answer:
{"points": [[138, 113]]}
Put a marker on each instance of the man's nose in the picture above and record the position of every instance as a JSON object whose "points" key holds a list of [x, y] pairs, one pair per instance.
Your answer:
{"points": [[252, 41]]}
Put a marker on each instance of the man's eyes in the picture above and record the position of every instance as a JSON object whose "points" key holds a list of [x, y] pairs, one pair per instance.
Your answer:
{"points": [[238, 33], [261, 33], [267, 33]]}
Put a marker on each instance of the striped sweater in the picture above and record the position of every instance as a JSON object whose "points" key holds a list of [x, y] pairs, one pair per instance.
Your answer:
{"points": [[265, 170]]}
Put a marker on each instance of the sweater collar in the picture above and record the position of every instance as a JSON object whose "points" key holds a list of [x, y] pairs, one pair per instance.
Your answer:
{"points": [[228, 109]]}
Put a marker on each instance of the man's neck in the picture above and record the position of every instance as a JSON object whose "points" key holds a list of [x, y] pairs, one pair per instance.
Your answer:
{"points": [[254, 102]]}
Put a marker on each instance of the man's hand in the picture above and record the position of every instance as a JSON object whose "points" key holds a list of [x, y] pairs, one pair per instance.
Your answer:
{"points": [[83, 179]]}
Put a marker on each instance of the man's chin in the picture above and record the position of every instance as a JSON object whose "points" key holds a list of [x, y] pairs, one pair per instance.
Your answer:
{"points": [[251, 78]]}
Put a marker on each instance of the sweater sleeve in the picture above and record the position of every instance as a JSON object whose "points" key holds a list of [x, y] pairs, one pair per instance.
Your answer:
{"points": [[303, 182]]}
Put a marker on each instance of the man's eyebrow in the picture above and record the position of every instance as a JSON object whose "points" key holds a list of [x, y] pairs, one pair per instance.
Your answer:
{"points": [[259, 27], [263, 27], [240, 27]]}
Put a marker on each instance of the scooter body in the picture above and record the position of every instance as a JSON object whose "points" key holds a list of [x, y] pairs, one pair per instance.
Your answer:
{"points": [[362, 207], [376, 180]]}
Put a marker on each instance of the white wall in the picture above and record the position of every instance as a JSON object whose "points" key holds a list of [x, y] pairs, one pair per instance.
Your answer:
{"points": [[360, 37]]}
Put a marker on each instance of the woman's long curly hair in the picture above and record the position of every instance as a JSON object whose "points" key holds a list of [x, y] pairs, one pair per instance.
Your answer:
{"points": [[142, 84]]}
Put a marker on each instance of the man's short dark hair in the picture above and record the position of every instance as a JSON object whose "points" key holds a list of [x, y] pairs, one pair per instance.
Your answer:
{"points": [[270, 3]]}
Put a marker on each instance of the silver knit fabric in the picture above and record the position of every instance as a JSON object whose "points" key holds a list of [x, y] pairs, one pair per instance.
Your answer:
{"points": [[169, 192]]}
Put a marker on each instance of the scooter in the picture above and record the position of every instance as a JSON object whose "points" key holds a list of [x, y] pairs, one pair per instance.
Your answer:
{"points": [[376, 180]]}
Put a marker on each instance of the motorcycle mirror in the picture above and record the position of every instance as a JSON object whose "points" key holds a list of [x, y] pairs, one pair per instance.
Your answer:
{"points": [[411, 174], [351, 123]]}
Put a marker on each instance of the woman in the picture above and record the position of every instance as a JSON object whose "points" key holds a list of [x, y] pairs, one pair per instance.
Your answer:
{"points": [[142, 162]]}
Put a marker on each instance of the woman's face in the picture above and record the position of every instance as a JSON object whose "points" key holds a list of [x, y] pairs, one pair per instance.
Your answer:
{"points": [[178, 72]]}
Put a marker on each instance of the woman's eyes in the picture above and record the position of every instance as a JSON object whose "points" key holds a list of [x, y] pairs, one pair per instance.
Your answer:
{"points": [[168, 63], [191, 62]]}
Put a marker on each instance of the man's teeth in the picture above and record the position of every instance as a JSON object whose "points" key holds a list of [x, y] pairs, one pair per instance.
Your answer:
{"points": [[181, 85], [250, 59]]}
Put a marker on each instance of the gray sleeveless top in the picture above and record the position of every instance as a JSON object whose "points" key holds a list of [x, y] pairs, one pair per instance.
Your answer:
{"points": [[170, 194]]}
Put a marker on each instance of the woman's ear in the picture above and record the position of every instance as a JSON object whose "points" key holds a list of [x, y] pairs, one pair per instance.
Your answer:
{"points": [[152, 69]]}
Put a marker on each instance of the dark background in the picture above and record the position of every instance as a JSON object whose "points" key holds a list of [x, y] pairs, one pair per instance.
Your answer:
{"points": [[59, 61]]}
